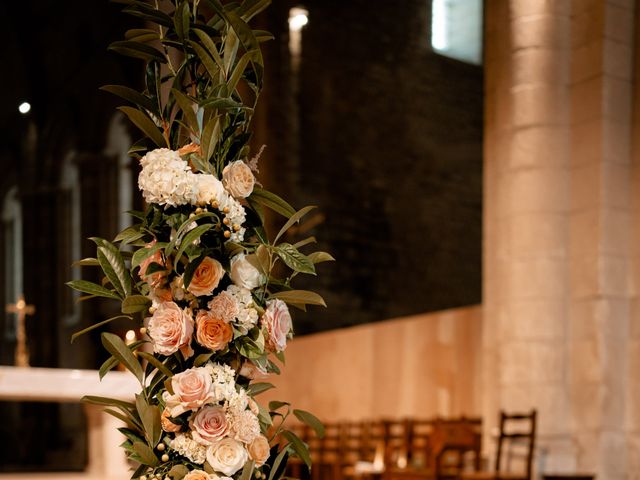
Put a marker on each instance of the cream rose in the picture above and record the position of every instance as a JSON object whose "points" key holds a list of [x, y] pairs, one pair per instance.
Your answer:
{"points": [[277, 321], [244, 274], [206, 277], [227, 456], [191, 390], [212, 332], [171, 329], [238, 179], [209, 425], [259, 450], [209, 189]]}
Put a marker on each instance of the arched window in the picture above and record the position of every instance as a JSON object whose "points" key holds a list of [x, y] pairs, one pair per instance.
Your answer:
{"points": [[456, 29]]}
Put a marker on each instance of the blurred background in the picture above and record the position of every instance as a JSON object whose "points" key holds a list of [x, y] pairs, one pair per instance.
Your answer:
{"points": [[475, 170]]}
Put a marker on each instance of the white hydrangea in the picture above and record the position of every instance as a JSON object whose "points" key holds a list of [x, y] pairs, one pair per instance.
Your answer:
{"points": [[224, 384], [247, 315], [188, 447], [235, 214], [166, 178]]}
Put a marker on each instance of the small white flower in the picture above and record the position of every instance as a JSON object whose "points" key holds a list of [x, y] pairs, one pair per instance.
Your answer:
{"points": [[166, 178], [188, 447]]}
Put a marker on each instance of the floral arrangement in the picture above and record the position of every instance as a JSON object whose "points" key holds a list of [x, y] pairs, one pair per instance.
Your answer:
{"points": [[197, 272]]}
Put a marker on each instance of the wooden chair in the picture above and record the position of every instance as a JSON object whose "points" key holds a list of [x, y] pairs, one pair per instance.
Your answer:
{"points": [[452, 441], [508, 439]]}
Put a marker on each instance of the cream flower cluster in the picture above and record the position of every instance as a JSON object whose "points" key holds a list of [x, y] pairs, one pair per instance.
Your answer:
{"points": [[166, 179], [223, 424], [235, 305]]}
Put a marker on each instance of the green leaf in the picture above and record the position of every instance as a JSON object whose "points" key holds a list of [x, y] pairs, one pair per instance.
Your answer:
{"points": [[272, 201], [137, 50], [86, 262], [191, 237], [239, 69], [114, 268], [129, 235], [186, 105], [247, 471], [119, 415], [142, 254], [303, 297], [258, 388], [109, 402], [145, 454], [210, 137], [319, 257], [305, 242], [150, 416], [108, 365], [143, 35], [295, 260], [116, 347], [276, 464], [97, 325], [205, 58], [190, 270], [298, 446], [93, 289], [133, 96], [202, 359], [181, 20], [251, 8], [276, 404], [295, 218], [311, 420], [157, 364], [145, 124], [210, 48], [178, 472], [135, 303]]}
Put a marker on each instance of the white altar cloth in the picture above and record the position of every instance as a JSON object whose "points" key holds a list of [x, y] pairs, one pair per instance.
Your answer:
{"points": [[106, 460]]}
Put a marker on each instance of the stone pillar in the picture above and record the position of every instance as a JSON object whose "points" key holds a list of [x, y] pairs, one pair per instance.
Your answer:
{"points": [[558, 218]]}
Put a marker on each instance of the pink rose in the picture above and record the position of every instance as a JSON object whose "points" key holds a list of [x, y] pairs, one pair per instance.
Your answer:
{"points": [[209, 425], [171, 329], [155, 279], [191, 390], [212, 332], [206, 277], [277, 321]]}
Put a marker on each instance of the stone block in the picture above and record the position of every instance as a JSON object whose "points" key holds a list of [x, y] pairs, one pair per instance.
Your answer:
{"points": [[615, 276], [616, 191], [538, 190], [539, 146], [540, 105], [541, 31], [586, 100], [535, 320], [615, 231], [539, 66], [523, 8], [587, 22], [586, 194], [551, 400], [617, 59], [541, 278], [531, 363], [616, 141], [586, 142], [594, 318], [538, 235], [616, 96], [586, 406], [586, 61], [618, 23], [584, 279]]}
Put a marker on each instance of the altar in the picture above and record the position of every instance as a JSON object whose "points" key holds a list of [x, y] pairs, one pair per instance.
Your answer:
{"points": [[106, 460]]}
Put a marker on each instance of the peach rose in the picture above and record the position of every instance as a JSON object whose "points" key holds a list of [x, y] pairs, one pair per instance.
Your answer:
{"points": [[171, 329], [224, 307], [198, 475], [259, 450], [191, 390], [154, 279], [206, 277], [277, 320], [167, 424], [238, 179], [227, 456], [209, 425], [212, 332]]}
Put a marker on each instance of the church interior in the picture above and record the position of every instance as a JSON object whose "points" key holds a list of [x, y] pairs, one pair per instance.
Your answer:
{"points": [[476, 171]]}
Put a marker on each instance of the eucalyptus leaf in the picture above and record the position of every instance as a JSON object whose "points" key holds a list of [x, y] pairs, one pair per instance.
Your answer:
{"points": [[116, 347], [300, 296]]}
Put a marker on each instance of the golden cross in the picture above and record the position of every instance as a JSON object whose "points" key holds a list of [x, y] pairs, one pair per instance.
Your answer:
{"points": [[21, 309]]}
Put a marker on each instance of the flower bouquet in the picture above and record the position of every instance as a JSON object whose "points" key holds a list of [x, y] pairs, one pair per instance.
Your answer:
{"points": [[197, 272]]}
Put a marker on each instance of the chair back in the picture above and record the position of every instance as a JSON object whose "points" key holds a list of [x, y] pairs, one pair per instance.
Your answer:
{"points": [[517, 428], [451, 441]]}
